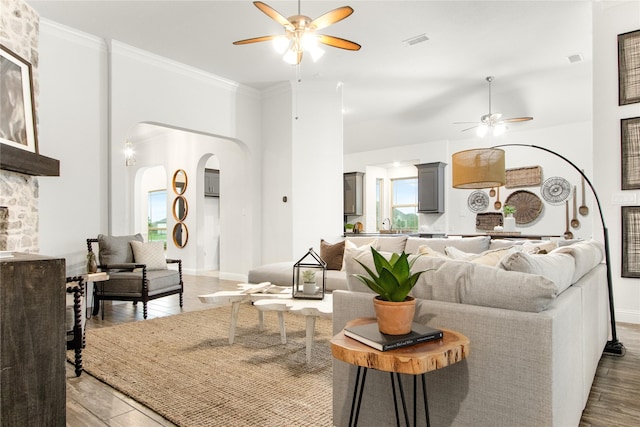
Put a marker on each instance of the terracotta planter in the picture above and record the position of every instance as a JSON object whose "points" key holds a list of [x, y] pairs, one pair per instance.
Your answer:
{"points": [[394, 318]]}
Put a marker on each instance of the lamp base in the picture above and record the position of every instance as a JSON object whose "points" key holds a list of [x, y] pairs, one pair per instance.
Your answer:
{"points": [[614, 348]]}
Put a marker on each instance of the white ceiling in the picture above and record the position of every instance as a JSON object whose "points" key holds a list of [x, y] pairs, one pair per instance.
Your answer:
{"points": [[393, 94]]}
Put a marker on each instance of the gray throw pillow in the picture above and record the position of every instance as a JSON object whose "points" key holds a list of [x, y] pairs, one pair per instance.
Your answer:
{"points": [[116, 249]]}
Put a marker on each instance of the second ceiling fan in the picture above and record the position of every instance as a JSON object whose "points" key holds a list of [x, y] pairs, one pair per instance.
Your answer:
{"points": [[300, 33], [492, 121]]}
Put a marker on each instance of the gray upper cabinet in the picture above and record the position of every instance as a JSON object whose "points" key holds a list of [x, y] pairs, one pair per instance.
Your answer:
{"points": [[211, 183], [353, 193], [431, 187]]}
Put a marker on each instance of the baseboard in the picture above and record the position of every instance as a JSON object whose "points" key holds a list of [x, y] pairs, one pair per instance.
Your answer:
{"points": [[627, 316]]}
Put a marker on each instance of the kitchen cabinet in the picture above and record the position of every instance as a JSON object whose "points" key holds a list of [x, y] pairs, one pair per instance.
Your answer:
{"points": [[211, 183], [353, 193], [431, 187]]}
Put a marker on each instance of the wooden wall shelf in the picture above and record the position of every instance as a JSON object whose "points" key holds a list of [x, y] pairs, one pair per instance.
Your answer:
{"points": [[22, 161]]}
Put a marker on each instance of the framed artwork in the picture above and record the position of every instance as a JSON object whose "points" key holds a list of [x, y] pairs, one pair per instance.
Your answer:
{"points": [[629, 68], [630, 153], [631, 241], [17, 107]]}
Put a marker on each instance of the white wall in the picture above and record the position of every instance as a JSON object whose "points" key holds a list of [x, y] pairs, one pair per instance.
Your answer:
{"points": [[302, 160], [93, 97], [611, 19], [73, 128]]}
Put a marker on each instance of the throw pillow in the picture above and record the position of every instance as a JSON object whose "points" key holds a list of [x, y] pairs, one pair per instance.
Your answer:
{"points": [[332, 254], [116, 249], [150, 253], [491, 257], [351, 249], [427, 251]]}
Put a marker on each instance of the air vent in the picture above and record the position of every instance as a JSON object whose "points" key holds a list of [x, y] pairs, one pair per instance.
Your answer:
{"points": [[415, 40]]}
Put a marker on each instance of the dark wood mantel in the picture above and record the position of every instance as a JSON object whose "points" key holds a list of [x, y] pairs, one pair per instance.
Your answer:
{"points": [[22, 161]]}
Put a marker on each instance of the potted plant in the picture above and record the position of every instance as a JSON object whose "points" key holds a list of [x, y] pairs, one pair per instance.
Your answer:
{"points": [[309, 282], [509, 220], [392, 281]]}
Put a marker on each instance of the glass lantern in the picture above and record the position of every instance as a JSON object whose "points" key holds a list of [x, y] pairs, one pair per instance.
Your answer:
{"points": [[309, 276]]}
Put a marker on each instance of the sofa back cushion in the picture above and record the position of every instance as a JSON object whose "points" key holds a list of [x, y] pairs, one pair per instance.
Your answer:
{"points": [[558, 268], [476, 244], [587, 254], [465, 283], [116, 249]]}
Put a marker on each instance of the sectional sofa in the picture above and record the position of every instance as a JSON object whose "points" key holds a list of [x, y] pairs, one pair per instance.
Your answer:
{"points": [[536, 315]]}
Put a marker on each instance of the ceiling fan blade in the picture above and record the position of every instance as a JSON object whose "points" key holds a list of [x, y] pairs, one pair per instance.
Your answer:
{"points": [[466, 123], [332, 17], [472, 127], [255, 40], [337, 42], [517, 119], [273, 14]]}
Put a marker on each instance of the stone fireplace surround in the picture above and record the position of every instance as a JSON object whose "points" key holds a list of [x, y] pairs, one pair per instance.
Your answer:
{"points": [[19, 31]]}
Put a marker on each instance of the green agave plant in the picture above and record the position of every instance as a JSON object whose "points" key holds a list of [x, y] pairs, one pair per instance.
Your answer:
{"points": [[392, 279]]}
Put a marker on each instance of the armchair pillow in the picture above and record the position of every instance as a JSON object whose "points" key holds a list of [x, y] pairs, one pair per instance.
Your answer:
{"points": [[116, 249], [150, 253]]}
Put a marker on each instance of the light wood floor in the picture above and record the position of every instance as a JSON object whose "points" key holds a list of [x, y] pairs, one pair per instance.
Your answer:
{"points": [[614, 398]]}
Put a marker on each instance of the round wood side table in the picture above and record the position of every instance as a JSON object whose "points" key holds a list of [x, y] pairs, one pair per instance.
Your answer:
{"points": [[414, 360]]}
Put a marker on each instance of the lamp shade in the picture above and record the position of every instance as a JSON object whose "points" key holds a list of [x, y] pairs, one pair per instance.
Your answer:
{"points": [[478, 168]]}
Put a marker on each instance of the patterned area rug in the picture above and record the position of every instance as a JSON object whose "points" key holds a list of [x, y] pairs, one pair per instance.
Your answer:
{"points": [[183, 367]]}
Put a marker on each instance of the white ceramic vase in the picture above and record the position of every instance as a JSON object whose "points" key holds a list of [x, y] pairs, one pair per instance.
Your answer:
{"points": [[509, 224]]}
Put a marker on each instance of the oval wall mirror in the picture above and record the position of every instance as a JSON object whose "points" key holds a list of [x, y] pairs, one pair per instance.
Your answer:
{"points": [[179, 181], [180, 208], [180, 235]]}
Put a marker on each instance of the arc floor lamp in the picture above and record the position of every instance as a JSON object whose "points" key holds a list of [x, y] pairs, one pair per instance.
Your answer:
{"points": [[485, 168]]}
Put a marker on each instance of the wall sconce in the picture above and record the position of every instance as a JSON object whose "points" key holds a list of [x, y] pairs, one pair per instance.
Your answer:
{"points": [[129, 154]]}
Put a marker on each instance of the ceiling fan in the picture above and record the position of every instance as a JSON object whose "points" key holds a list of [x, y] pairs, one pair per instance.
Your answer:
{"points": [[300, 33], [492, 121]]}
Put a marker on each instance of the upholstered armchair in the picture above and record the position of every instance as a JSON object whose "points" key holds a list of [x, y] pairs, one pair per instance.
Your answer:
{"points": [[137, 271]]}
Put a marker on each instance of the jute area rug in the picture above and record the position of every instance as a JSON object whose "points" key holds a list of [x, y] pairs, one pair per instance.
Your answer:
{"points": [[183, 368]]}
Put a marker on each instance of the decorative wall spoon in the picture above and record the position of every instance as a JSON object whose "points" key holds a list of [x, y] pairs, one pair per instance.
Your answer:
{"points": [[492, 192], [583, 210], [574, 221], [567, 234], [497, 204]]}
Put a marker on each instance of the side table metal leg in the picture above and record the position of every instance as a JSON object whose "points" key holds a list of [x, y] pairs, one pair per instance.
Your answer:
{"points": [[395, 399], [424, 396], [358, 391], [404, 402]]}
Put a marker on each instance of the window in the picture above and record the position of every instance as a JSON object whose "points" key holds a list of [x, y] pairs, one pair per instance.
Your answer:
{"points": [[404, 203], [157, 219]]}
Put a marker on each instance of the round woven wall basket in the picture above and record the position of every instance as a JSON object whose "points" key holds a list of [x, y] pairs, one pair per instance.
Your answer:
{"points": [[528, 206]]}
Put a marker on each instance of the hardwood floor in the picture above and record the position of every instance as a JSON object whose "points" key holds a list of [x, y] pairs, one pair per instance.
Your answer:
{"points": [[614, 399]]}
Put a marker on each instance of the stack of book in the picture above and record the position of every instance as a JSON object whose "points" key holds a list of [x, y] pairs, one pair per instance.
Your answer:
{"points": [[370, 335]]}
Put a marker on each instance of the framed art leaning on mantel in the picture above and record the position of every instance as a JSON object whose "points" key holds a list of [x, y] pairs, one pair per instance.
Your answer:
{"points": [[17, 106], [629, 68]]}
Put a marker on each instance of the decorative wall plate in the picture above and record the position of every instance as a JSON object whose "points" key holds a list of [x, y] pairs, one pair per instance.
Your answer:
{"points": [[528, 206], [555, 190], [478, 201]]}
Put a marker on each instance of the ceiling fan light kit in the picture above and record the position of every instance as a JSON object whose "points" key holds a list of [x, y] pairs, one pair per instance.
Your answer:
{"points": [[493, 123], [300, 33]]}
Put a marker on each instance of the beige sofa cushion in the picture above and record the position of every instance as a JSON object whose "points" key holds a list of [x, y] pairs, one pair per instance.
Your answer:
{"points": [[466, 283], [587, 255], [558, 268], [467, 244]]}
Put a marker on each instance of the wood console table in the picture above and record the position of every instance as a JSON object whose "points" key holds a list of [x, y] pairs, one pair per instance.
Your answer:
{"points": [[415, 360]]}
